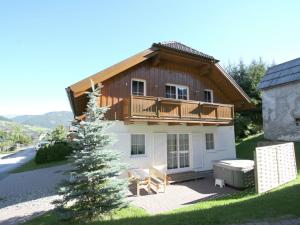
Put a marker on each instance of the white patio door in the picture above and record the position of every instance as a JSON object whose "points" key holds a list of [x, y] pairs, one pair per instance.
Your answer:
{"points": [[198, 153], [178, 155]]}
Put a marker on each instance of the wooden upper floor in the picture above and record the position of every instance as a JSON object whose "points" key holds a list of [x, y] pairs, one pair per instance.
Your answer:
{"points": [[165, 85]]}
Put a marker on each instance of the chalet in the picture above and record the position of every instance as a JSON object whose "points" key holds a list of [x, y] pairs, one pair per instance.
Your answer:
{"points": [[281, 101], [173, 107]]}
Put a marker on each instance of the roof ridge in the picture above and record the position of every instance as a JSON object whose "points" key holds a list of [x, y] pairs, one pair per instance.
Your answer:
{"points": [[292, 60], [178, 46], [279, 77]]}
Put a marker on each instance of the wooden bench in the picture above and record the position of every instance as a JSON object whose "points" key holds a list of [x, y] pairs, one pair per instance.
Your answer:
{"points": [[158, 179]]}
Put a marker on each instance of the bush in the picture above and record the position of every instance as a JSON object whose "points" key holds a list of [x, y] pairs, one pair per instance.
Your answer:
{"points": [[53, 152], [244, 126]]}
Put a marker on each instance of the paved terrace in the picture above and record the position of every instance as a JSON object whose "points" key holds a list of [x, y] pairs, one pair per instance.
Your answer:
{"points": [[179, 195]]}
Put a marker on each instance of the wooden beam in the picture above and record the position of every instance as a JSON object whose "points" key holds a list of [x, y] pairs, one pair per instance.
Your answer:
{"points": [[194, 124], [180, 121], [174, 123], [224, 125], [156, 60], [210, 124], [128, 122], [152, 123]]}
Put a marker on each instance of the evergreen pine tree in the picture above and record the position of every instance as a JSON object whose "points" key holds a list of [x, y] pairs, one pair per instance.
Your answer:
{"points": [[93, 189]]}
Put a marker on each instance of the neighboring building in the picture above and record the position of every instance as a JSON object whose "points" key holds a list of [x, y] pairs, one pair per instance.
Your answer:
{"points": [[173, 107], [281, 101]]}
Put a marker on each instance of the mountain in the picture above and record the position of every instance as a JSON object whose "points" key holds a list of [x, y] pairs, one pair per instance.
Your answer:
{"points": [[32, 131], [48, 120], [2, 118]]}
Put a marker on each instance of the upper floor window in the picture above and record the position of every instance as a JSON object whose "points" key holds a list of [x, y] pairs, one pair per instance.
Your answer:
{"points": [[176, 91], [208, 95], [138, 87]]}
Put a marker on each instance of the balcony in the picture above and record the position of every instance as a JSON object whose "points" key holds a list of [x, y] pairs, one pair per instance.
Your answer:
{"points": [[154, 109]]}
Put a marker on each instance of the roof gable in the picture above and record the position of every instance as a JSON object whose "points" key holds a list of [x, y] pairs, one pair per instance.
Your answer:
{"points": [[78, 89], [281, 74]]}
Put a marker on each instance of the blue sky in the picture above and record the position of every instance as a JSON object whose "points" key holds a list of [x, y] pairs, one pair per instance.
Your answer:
{"points": [[47, 45]]}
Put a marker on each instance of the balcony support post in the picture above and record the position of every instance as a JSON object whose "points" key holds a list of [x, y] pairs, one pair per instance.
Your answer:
{"points": [[200, 110], [158, 107]]}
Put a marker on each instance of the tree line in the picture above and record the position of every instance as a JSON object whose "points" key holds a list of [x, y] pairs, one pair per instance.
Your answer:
{"points": [[248, 77], [10, 139]]}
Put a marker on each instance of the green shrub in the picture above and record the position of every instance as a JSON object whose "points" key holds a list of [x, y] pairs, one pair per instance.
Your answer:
{"points": [[53, 152], [245, 125]]}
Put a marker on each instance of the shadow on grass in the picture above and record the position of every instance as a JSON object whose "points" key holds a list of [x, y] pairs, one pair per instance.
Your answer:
{"points": [[270, 205], [245, 148], [282, 202]]}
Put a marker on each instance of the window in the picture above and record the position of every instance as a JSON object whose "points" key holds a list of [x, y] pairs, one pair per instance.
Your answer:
{"points": [[178, 151], [184, 150], [208, 96], [137, 144], [176, 92], [182, 93], [209, 140], [172, 151], [297, 120], [138, 87], [170, 91]]}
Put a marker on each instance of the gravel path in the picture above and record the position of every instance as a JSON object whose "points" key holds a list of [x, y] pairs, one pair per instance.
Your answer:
{"points": [[27, 194]]}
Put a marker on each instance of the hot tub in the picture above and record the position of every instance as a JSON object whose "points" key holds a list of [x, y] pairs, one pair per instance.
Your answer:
{"points": [[238, 173]]}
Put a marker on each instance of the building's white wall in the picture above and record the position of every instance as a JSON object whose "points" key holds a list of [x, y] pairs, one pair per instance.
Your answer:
{"points": [[281, 106], [156, 144]]}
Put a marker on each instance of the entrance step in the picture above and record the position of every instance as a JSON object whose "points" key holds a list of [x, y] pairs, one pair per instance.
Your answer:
{"points": [[188, 176]]}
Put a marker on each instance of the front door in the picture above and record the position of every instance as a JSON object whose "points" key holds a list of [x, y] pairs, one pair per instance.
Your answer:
{"points": [[178, 156]]}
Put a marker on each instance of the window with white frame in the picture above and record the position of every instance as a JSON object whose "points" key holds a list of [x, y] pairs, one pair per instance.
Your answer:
{"points": [[208, 95], [138, 87], [209, 140], [137, 144], [176, 92], [178, 155]]}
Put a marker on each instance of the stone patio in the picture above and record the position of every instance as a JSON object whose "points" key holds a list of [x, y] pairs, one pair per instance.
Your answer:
{"points": [[179, 195]]}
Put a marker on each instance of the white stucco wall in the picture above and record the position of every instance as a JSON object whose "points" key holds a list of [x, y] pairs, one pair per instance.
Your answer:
{"points": [[281, 105], [156, 144]]}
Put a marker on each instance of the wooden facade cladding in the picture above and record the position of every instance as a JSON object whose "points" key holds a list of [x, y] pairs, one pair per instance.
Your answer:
{"points": [[157, 72], [118, 88], [156, 109]]}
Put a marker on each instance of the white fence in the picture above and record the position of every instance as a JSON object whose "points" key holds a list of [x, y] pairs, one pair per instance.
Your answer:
{"points": [[274, 165]]}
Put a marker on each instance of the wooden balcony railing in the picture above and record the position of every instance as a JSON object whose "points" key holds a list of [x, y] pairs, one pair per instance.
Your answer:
{"points": [[147, 108]]}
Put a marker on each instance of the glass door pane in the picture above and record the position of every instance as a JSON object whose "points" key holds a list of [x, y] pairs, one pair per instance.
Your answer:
{"points": [[172, 159], [184, 160], [182, 93]]}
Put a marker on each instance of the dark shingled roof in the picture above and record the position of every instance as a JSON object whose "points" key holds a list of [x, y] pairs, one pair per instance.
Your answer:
{"points": [[281, 74], [183, 48]]}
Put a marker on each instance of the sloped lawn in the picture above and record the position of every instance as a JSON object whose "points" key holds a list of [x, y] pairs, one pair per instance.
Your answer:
{"points": [[241, 207], [246, 147], [32, 165]]}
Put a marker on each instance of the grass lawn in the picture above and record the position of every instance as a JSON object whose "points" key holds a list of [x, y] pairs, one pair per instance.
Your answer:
{"points": [[245, 148], [241, 207], [32, 165]]}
